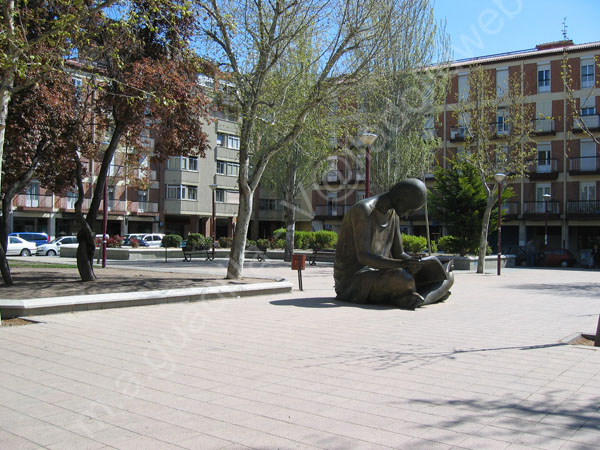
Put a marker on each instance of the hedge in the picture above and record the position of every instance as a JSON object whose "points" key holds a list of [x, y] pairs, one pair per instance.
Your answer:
{"points": [[171, 240]]}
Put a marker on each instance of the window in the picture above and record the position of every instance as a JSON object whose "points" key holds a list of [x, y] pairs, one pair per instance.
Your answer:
{"points": [[233, 142], [543, 77], [142, 201], [587, 73], [588, 110], [113, 169], [193, 163], [173, 192], [221, 167], [540, 190], [587, 152], [174, 163], [463, 87], [192, 192], [360, 195], [220, 195], [77, 82], [501, 81], [111, 197], [587, 190], [269, 204], [544, 163], [501, 125], [32, 193], [220, 139], [233, 169], [71, 199]]}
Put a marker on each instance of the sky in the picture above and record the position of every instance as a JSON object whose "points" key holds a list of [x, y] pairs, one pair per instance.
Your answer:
{"points": [[487, 27]]}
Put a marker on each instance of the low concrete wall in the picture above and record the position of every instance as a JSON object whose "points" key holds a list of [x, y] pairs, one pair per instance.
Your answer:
{"points": [[491, 262]]}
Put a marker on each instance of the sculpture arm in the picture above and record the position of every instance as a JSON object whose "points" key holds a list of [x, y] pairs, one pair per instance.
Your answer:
{"points": [[362, 244]]}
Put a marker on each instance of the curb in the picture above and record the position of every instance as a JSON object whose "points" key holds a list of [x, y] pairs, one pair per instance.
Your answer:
{"points": [[53, 305]]}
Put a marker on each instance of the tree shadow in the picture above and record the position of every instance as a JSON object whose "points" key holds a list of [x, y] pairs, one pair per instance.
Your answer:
{"points": [[578, 289], [327, 302]]}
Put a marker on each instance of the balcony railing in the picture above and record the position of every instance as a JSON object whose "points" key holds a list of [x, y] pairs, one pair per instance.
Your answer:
{"points": [[510, 209], [116, 205], [591, 122], [330, 210], [68, 203], [33, 201], [543, 126], [458, 133], [584, 207], [540, 208], [584, 165], [143, 207], [543, 168]]}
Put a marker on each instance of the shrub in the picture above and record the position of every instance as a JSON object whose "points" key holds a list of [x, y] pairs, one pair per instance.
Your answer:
{"points": [[198, 240], [250, 243], [414, 244], [263, 244], [303, 239], [134, 243], [279, 233], [279, 243], [114, 242], [171, 240], [325, 239], [447, 244], [225, 242]]}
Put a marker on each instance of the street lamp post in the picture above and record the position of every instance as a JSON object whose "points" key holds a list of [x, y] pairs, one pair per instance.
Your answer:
{"points": [[367, 140], [499, 179], [546, 199], [213, 225]]}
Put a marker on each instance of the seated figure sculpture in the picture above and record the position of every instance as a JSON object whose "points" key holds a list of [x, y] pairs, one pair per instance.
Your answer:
{"points": [[370, 263]]}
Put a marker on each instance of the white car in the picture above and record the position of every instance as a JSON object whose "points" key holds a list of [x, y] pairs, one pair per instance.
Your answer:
{"points": [[19, 246], [53, 247], [153, 240]]}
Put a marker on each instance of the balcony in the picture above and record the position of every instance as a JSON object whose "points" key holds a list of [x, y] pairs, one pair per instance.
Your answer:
{"points": [[330, 210], [68, 204], [510, 210], [227, 209], [458, 134], [584, 208], [143, 208], [542, 127], [590, 123], [34, 201], [537, 210], [543, 169], [115, 206], [586, 165]]}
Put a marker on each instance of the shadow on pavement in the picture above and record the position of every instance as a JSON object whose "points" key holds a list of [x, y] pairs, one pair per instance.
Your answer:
{"points": [[582, 289], [326, 302]]}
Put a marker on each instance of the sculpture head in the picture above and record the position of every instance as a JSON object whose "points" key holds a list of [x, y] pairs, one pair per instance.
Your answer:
{"points": [[407, 196]]}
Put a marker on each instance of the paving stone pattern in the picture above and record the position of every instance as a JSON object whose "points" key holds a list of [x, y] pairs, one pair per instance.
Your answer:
{"points": [[486, 370]]}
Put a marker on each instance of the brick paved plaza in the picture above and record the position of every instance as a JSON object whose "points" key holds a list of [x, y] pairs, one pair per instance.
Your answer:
{"points": [[485, 370]]}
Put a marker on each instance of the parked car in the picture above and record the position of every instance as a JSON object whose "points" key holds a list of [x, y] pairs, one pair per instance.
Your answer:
{"points": [[19, 246], [53, 247], [38, 238], [152, 239], [127, 241], [562, 258]]}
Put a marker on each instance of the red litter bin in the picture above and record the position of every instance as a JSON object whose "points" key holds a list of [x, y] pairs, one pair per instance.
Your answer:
{"points": [[299, 264]]}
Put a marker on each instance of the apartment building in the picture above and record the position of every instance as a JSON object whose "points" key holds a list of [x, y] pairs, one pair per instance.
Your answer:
{"points": [[560, 189]]}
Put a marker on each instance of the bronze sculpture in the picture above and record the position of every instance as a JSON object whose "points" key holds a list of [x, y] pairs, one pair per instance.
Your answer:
{"points": [[370, 263]]}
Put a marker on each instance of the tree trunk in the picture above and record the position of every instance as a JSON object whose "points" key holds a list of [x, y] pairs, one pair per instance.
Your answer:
{"points": [[85, 253], [484, 232], [236, 259], [4, 267]]}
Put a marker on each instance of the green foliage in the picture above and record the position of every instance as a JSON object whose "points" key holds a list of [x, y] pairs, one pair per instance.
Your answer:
{"points": [[325, 239], [448, 244], [279, 233], [414, 244], [303, 239], [250, 243], [171, 240], [198, 240], [279, 243], [263, 244], [459, 200], [225, 242]]}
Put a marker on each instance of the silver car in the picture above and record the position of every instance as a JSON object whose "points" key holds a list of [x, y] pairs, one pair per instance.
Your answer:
{"points": [[53, 247]]}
